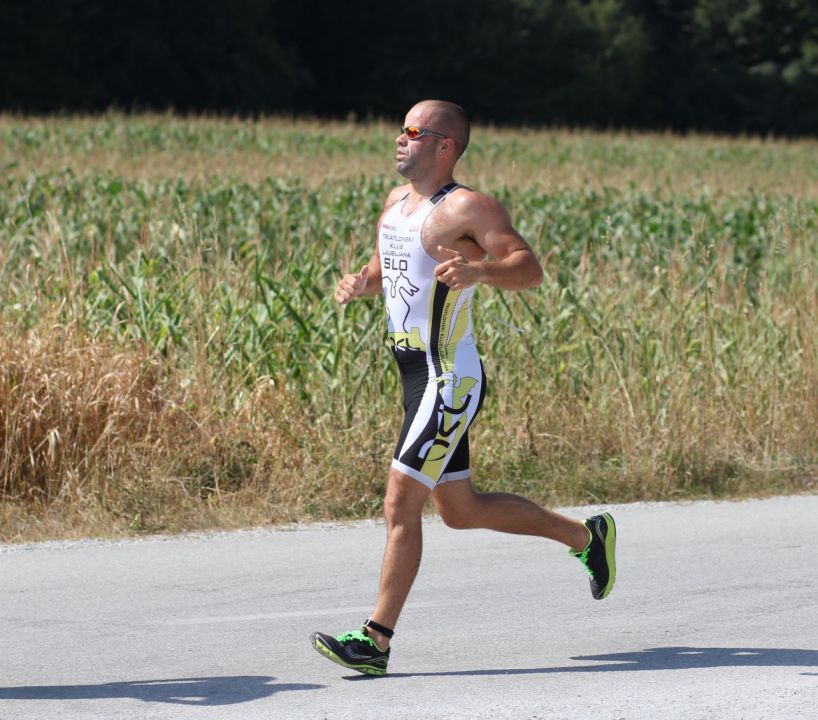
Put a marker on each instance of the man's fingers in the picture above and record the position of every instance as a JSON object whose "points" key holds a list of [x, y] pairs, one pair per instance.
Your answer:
{"points": [[351, 285], [342, 295], [445, 267], [448, 251], [445, 275], [455, 273], [456, 259]]}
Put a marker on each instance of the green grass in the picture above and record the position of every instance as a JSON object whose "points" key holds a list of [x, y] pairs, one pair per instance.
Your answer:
{"points": [[171, 357]]}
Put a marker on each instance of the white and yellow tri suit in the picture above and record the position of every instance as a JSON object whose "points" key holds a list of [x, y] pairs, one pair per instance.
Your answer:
{"points": [[430, 331]]}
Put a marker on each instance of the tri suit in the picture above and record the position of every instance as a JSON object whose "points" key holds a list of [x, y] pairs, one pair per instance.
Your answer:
{"points": [[430, 333]]}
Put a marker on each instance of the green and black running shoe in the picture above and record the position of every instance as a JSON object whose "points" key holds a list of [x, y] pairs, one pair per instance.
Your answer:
{"points": [[599, 556], [354, 650]]}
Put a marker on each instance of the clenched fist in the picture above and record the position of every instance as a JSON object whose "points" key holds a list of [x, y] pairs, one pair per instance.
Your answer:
{"points": [[351, 285], [457, 272]]}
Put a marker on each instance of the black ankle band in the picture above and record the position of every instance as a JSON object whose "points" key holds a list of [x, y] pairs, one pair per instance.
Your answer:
{"points": [[377, 627]]}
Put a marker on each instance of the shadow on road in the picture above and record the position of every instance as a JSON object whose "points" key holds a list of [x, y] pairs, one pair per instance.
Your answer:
{"points": [[203, 692], [667, 658]]}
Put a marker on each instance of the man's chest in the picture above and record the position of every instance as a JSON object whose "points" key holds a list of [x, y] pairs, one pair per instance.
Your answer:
{"points": [[444, 230]]}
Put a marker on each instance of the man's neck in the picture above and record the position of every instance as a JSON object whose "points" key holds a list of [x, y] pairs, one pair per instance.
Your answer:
{"points": [[426, 187]]}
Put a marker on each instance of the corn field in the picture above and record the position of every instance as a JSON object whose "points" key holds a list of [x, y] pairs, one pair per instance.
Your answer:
{"points": [[171, 356]]}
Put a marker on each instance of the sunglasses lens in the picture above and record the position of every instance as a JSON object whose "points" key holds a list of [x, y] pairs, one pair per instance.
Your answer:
{"points": [[412, 132]]}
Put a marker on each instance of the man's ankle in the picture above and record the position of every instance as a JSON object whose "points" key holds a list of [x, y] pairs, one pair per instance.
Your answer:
{"points": [[379, 634], [587, 537], [380, 640]]}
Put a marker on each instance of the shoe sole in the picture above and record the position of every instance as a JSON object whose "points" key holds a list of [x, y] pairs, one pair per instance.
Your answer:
{"points": [[327, 653], [610, 554]]}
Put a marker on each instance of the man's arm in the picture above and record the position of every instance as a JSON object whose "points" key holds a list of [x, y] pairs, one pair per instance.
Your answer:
{"points": [[514, 265], [368, 281]]}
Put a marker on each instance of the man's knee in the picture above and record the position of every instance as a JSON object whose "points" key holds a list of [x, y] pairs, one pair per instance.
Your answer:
{"points": [[404, 499], [394, 510]]}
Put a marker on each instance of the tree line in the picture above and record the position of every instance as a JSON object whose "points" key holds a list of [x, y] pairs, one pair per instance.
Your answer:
{"points": [[714, 65]]}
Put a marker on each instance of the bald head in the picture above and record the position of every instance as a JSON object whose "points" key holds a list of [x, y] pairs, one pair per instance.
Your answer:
{"points": [[450, 119]]}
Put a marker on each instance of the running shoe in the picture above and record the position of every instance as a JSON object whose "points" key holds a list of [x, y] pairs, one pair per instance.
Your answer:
{"points": [[354, 650], [599, 556]]}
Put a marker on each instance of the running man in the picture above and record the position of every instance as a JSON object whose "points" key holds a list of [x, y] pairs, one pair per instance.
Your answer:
{"points": [[434, 238]]}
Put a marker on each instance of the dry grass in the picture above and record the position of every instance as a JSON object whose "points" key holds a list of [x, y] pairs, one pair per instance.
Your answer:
{"points": [[667, 395], [98, 440], [158, 147]]}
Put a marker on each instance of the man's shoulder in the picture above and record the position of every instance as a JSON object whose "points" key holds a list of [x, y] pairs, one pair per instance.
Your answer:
{"points": [[473, 202]]}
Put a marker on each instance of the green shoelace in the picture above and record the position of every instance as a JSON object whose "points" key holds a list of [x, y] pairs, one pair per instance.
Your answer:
{"points": [[356, 635], [583, 556]]}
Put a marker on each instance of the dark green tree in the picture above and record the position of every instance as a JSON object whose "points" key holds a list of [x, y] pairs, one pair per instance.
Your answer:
{"points": [[723, 65], [202, 55]]}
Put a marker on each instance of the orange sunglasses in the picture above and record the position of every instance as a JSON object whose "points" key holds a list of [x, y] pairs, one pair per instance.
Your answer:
{"points": [[413, 132]]}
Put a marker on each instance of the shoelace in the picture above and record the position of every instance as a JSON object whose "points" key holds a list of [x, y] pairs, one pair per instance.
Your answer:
{"points": [[355, 635], [583, 558]]}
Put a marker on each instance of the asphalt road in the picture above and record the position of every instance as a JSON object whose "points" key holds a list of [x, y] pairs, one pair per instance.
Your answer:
{"points": [[715, 615]]}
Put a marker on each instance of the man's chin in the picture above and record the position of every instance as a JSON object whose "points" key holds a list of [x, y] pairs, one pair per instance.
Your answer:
{"points": [[403, 169]]}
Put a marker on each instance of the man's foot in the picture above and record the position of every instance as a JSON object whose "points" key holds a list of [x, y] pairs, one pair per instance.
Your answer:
{"points": [[599, 556], [354, 650]]}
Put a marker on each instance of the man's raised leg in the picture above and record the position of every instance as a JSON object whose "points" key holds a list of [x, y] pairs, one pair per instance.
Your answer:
{"points": [[461, 507], [592, 542]]}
